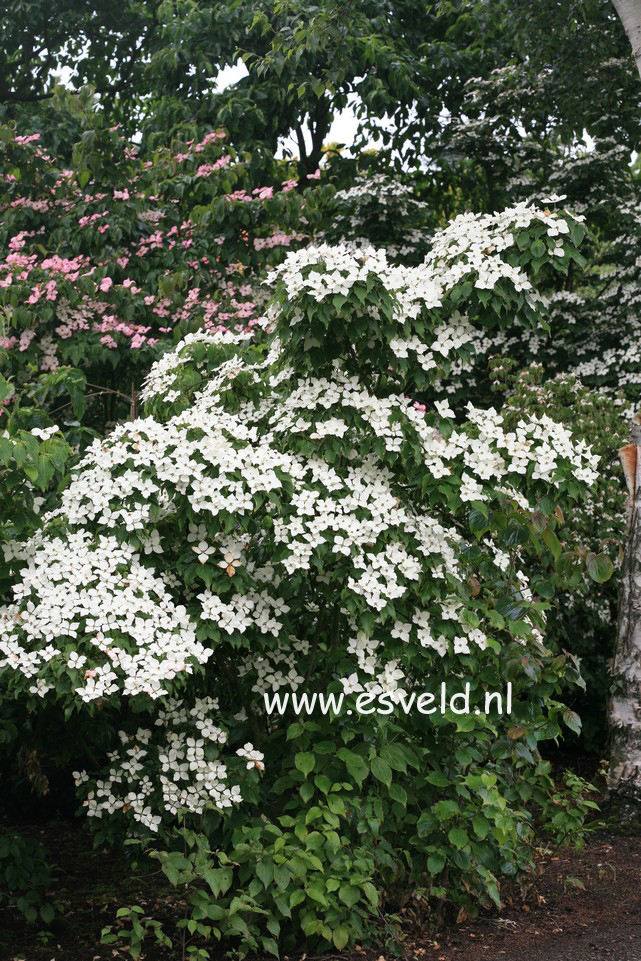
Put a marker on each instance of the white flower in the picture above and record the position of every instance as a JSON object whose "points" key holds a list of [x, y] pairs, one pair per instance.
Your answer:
{"points": [[253, 757], [44, 433], [351, 684], [443, 408]]}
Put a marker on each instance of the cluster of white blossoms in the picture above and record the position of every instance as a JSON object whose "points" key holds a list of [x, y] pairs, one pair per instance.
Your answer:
{"points": [[323, 270], [595, 338], [448, 339], [382, 577], [470, 247], [251, 609], [174, 769], [278, 668], [474, 244], [379, 209], [539, 441], [381, 191], [97, 595], [163, 375]]}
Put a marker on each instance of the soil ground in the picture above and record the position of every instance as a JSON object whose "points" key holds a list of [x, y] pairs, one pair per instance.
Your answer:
{"points": [[584, 906]]}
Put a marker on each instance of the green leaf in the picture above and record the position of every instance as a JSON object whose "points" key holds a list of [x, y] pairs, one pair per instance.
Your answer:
{"points": [[599, 567], [340, 936], [395, 757], [323, 783], [47, 913], [446, 809], [398, 793], [572, 720], [31, 472], [381, 770], [458, 837], [355, 764], [218, 879], [270, 946], [316, 891], [481, 827], [306, 791], [282, 876], [5, 388], [46, 471], [296, 897], [437, 778], [304, 762], [349, 894], [6, 450], [552, 542], [478, 523], [265, 871], [493, 891]]}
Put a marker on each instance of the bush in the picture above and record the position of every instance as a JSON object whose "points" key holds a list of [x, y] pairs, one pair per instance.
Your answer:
{"points": [[292, 516], [106, 257]]}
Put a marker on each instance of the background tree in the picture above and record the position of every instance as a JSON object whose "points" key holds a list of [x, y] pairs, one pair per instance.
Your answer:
{"points": [[630, 16]]}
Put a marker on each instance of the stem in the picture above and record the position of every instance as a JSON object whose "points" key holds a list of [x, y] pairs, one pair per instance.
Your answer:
{"points": [[109, 390]]}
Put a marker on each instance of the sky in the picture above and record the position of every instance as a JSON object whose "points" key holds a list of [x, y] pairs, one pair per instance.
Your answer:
{"points": [[343, 129]]}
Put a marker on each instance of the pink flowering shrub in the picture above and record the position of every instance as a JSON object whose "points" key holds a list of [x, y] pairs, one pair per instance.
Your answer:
{"points": [[103, 260]]}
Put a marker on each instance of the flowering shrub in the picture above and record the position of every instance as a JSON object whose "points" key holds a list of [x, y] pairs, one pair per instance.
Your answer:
{"points": [[296, 514], [384, 212], [103, 259], [503, 148]]}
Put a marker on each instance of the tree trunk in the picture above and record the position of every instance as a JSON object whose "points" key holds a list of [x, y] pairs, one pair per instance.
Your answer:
{"points": [[625, 703], [630, 14]]}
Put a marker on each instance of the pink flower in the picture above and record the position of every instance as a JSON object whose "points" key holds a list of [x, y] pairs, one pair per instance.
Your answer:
{"points": [[36, 294], [206, 140], [315, 175], [106, 284]]}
